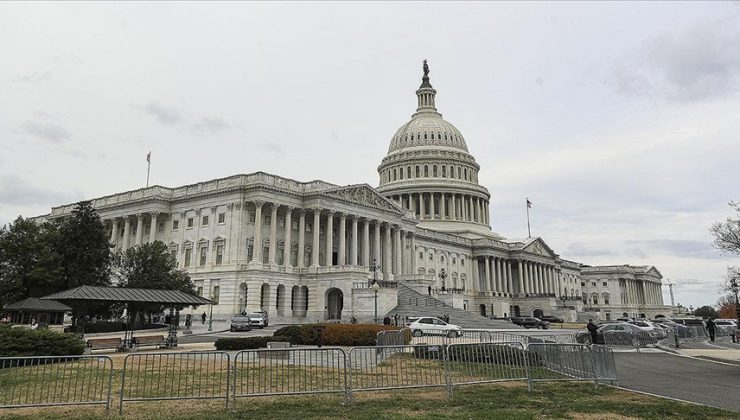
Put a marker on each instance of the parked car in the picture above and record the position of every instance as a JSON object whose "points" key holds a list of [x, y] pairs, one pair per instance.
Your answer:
{"points": [[619, 331], [551, 319], [241, 323], [259, 319], [434, 326], [725, 327], [530, 322]]}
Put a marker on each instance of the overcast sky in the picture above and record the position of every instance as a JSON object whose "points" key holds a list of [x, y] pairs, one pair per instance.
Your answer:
{"points": [[619, 121]]}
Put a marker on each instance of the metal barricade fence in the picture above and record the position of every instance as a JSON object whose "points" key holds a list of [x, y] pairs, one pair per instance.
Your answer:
{"points": [[393, 337], [486, 362], [175, 376], [392, 367], [670, 339], [604, 365], [55, 381], [289, 371], [561, 362]]}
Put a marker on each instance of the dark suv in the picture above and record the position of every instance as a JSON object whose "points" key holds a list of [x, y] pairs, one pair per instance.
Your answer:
{"points": [[551, 319], [530, 322], [241, 323]]}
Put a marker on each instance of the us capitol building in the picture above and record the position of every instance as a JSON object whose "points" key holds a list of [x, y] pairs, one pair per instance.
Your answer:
{"points": [[310, 250]]}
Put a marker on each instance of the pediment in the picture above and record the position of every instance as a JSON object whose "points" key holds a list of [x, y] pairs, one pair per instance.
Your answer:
{"points": [[539, 247], [362, 194]]}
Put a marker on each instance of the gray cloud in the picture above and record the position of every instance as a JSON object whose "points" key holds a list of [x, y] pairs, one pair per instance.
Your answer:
{"points": [[211, 125], [274, 148], [165, 114], [680, 247], [45, 130], [699, 63], [637, 253], [34, 77], [17, 191], [580, 249]]}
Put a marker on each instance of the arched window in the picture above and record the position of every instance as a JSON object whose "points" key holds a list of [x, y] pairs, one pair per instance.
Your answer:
{"points": [[432, 135], [408, 172], [426, 171], [452, 172], [459, 172], [444, 171], [434, 171], [395, 174], [465, 173], [400, 173], [417, 171], [412, 136], [425, 135]]}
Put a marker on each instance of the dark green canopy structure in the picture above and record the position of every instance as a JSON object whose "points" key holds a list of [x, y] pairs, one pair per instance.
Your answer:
{"points": [[44, 311], [92, 294]]}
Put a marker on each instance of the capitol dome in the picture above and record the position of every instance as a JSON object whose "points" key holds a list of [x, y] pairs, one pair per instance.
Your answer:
{"points": [[429, 171]]}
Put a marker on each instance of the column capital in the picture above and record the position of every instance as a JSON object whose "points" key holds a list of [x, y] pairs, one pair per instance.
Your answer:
{"points": [[288, 209], [258, 203], [342, 215], [301, 211], [317, 209], [154, 213]]}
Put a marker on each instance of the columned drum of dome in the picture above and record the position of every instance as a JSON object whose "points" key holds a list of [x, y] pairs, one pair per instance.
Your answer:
{"points": [[429, 171]]}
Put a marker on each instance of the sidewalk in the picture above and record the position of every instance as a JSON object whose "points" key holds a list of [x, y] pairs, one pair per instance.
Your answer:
{"points": [[198, 329], [721, 355]]}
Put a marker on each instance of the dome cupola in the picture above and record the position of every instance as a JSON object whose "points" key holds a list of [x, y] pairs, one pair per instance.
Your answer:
{"points": [[429, 171]]}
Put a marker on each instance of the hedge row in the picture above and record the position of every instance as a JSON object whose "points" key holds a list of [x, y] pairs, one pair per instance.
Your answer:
{"points": [[18, 342], [334, 334], [246, 343]]}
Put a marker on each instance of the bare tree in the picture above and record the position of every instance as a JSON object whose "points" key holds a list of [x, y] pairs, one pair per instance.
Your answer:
{"points": [[727, 233]]}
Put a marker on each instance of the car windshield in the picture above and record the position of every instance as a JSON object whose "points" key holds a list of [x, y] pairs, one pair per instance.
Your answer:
{"points": [[255, 315], [240, 319]]}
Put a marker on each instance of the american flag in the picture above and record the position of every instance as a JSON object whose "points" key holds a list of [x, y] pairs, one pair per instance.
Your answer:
{"points": [[529, 204], [149, 156]]}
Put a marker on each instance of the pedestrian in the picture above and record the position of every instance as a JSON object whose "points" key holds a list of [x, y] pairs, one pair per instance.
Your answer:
{"points": [[387, 320], [592, 329], [711, 328], [34, 324], [395, 320], [429, 290], [203, 318]]}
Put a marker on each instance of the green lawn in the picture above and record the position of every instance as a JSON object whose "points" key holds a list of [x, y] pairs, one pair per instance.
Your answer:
{"points": [[494, 401]]}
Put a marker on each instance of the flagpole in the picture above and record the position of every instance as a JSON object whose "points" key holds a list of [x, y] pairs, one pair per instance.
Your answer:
{"points": [[529, 231], [148, 166]]}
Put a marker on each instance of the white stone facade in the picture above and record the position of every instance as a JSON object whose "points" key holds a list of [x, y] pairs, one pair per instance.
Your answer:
{"points": [[306, 250]]}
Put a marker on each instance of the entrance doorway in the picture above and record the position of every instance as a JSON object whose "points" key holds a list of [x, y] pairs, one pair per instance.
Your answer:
{"points": [[515, 310], [482, 310], [334, 303], [537, 313]]}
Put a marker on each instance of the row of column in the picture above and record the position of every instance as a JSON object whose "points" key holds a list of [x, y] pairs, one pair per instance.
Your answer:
{"points": [[497, 276], [127, 226], [640, 292], [537, 278], [390, 242], [446, 206]]}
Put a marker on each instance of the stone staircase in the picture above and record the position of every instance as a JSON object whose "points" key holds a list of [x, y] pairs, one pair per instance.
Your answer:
{"points": [[413, 303]]}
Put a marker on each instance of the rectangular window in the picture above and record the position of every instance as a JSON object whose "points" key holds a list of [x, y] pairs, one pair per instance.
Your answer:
{"points": [[203, 254], [421, 255], [205, 221], [308, 227], [200, 291], [160, 227], [222, 218], [250, 252], [175, 224], [606, 300], [133, 230], [219, 254], [268, 220], [593, 284], [188, 255], [295, 225], [462, 262], [173, 254], [251, 217], [281, 222], [604, 284], [190, 222], [583, 284]]}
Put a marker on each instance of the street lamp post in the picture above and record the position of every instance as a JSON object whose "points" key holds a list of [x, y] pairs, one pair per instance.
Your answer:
{"points": [[443, 276], [210, 313], [735, 289], [376, 287], [374, 267]]}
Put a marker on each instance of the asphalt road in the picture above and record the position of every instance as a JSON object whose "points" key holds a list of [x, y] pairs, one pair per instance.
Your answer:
{"points": [[680, 377]]}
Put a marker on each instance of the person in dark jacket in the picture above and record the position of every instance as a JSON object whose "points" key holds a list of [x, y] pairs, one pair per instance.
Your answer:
{"points": [[592, 329], [711, 328], [387, 320]]}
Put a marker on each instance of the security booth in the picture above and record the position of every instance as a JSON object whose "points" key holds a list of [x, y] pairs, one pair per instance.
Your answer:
{"points": [[47, 313]]}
